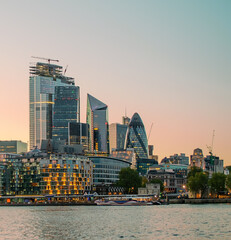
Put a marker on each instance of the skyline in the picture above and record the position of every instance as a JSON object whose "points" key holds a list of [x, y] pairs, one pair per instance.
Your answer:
{"points": [[168, 62]]}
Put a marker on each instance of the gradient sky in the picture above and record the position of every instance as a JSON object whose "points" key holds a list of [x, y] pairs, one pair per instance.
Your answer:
{"points": [[167, 60]]}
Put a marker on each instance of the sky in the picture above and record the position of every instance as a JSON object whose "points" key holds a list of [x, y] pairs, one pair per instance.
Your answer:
{"points": [[167, 60]]}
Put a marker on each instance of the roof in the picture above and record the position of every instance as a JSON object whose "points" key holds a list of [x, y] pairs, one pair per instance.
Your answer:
{"points": [[95, 103]]}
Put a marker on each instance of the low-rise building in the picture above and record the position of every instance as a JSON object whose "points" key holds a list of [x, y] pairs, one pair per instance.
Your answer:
{"points": [[173, 176], [13, 146], [150, 189], [106, 170]]}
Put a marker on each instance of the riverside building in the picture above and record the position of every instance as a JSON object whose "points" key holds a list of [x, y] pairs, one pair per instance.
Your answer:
{"points": [[44, 77], [54, 174]]}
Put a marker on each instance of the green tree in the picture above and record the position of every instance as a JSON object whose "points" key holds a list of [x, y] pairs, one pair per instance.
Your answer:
{"points": [[193, 171], [156, 180], [198, 183], [228, 181], [144, 181], [217, 183], [130, 180]]}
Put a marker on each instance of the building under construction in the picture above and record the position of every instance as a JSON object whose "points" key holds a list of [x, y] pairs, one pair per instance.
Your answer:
{"points": [[44, 77]]}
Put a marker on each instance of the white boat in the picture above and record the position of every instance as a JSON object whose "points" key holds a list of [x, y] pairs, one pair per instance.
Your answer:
{"points": [[122, 202]]}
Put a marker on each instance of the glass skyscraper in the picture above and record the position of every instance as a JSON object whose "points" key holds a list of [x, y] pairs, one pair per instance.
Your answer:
{"points": [[43, 79], [66, 109], [78, 134], [97, 118], [117, 133], [136, 137]]}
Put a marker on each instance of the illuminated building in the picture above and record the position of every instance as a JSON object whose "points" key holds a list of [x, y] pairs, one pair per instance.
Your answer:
{"points": [[176, 159], [197, 159], [136, 137], [66, 110], [65, 175], [125, 120], [2, 170], [44, 78], [117, 134], [143, 165], [16, 147], [48, 175], [97, 119], [78, 134], [128, 155], [173, 176]]}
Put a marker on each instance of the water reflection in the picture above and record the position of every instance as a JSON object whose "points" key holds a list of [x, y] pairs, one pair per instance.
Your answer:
{"points": [[122, 222]]}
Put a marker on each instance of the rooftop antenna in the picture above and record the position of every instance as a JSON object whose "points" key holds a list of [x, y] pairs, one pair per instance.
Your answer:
{"points": [[150, 131]]}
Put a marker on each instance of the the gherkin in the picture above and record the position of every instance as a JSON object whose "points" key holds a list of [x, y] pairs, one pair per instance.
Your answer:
{"points": [[136, 137]]}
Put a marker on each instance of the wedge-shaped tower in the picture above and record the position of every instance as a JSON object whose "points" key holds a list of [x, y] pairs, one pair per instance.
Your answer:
{"points": [[136, 137], [97, 118]]}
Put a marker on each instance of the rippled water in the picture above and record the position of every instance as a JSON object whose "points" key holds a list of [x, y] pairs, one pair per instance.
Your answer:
{"points": [[210, 221]]}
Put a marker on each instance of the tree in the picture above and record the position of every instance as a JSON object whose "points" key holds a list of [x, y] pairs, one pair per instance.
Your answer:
{"points": [[193, 171], [198, 183], [130, 180], [228, 181], [156, 180], [217, 183]]}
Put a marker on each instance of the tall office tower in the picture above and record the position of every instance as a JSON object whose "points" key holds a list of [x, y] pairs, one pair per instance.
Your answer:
{"points": [[97, 118], [66, 109], [125, 120], [136, 137], [117, 134], [78, 134], [43, 79]]}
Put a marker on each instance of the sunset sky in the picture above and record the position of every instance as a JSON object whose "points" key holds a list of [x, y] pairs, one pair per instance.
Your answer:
{"points": [[170, 61]]}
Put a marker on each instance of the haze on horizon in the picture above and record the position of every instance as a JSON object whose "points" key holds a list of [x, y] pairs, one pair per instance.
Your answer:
{"points": [[167, 60]]}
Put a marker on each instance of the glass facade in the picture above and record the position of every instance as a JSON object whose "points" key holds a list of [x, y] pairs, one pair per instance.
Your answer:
{"points": [[66, 109], [13, 147], [56, 175], [78, 134], [117, 133], [43, 79], [106, 170], [136, 137], [97, 118]]}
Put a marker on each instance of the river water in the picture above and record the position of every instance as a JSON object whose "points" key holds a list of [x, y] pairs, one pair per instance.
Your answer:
{"points": [[208, 221]]}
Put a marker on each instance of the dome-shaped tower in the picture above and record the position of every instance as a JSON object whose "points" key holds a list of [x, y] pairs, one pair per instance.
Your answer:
{"points": [[136, 137]]}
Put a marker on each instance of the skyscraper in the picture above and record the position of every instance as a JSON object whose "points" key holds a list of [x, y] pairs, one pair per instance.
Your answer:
{"points": [[97, 118], [43, 79], [66, 109], [136, 137], [78, 134], [117, 134]]}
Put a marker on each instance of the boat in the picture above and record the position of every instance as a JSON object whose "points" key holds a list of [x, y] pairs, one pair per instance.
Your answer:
{"points": [[122, 202]]}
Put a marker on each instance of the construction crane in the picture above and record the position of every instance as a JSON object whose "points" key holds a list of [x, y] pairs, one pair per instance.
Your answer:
{"points": [[150, 131], [47, 59], [65, 70], [210, 148]]}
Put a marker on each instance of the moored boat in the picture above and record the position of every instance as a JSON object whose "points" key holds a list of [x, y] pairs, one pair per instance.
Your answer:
{"points": [[122, 202]]}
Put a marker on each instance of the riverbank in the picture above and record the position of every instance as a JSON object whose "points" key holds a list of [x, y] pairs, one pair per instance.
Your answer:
{"points": [[199, 201], [171, 201]]}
